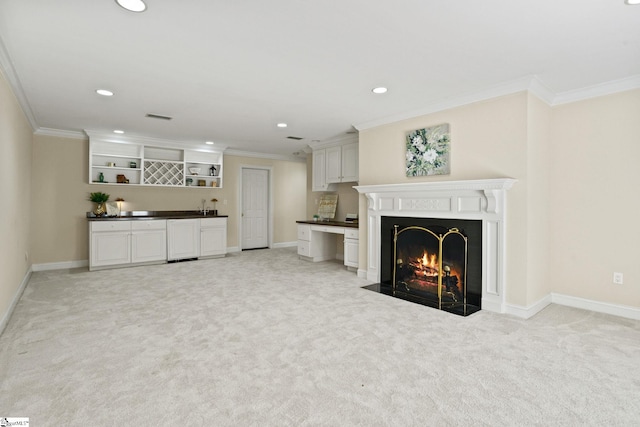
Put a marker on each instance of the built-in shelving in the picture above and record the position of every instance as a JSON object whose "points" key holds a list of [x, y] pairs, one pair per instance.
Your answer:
{"points": [[113, 161]]}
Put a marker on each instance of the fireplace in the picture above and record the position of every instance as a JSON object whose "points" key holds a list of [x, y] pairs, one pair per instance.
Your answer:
{"points": [[475, 208], [435, 262]]}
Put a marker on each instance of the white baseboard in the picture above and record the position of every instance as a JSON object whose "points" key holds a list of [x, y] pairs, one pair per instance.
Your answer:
{"points": [[598, 306], [284, 245], [14, 301], [576, 302], [362, 273], [60, 265], [232, 249], [530, 311]]}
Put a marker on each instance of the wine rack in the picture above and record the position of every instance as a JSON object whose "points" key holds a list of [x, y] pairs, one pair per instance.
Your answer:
{"points": [[158, 172]]}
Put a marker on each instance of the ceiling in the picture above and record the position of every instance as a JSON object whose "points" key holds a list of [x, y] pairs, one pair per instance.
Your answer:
{"points": [[229, 71]]}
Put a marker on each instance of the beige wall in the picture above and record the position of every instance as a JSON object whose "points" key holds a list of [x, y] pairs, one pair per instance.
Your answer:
{"points": [[60, 169], [539, 153], [595, 174], [15, 185]]}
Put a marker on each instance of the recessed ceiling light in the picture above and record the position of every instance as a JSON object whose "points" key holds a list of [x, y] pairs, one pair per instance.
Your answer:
{"points": [[282, 125], [118, 131], [104, 92], [209, 142], [632, 2], [132, 5], [379, 90]]}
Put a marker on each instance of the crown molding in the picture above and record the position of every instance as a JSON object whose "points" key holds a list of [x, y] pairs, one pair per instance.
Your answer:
{"points": [[163, 143], [6, 68], [602, 89], [336, 140], [159, 142], [542, 91], [532, 84], [507, 88], [60, 133]]}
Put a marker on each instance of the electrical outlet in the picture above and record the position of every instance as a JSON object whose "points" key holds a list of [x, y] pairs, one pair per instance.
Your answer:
{"points": [[617, 278], [224, 202], [26, 256]]}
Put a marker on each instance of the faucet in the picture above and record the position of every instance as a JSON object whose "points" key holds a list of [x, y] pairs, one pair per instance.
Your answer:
{"points": [[204, 209]]}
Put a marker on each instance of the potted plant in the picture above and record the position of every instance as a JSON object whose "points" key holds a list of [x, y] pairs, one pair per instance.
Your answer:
{"points": [[99, 199]]}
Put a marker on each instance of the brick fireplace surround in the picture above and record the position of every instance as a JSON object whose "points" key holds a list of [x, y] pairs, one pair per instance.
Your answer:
{"points": [[483, 200]]}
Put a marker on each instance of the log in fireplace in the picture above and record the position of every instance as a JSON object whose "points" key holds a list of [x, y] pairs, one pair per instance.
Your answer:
{"points": [[431, 261]]}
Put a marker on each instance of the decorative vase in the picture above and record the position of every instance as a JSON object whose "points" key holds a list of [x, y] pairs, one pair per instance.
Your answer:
{"points": [[100, 209]]}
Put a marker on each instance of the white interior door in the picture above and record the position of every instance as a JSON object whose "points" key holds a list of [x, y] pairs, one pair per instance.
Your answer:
{"points": [[255, 208]]}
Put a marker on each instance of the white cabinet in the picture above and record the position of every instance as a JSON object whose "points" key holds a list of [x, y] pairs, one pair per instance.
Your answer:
{"points": [[148, 241], [315, 246], [318, 243], [122, 243], [183, 239], [342, 163], [120, 160], [109, 244], [213, 237], [351, 248], [334, 161], [349, 162], [318, 170]]}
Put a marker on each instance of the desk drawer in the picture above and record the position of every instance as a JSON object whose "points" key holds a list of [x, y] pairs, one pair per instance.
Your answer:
{"points": [[350, 233], [304, 232], [328, 229], [304, 248]]}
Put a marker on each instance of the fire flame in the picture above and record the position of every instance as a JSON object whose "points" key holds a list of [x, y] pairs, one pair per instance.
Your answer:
{"points": [[429, 260]]}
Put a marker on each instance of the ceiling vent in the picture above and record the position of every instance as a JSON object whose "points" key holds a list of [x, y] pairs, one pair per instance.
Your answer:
{"points": [[295, 138], [158, 116]]}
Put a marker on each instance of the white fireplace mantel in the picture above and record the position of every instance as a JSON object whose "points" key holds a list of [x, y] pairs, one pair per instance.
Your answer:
{"points": [[483, 200]]}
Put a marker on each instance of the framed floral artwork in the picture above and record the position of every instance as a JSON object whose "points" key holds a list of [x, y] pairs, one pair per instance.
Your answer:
{"points": [[428, 151]]}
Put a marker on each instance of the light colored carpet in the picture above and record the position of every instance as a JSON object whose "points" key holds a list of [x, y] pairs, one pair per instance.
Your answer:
{"points": [[263, 339]]}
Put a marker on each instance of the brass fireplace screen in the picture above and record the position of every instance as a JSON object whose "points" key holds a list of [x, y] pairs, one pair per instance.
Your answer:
{"points": [[431, 266]]}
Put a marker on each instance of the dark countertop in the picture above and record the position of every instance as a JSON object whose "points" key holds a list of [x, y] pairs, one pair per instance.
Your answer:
{"points": [[333, 223], [133, 215]]}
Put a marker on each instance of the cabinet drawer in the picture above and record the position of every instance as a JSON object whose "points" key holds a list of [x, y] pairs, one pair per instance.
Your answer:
{"points": [[351, 233], [213, 222], [154, 224], [110, 226], [304, 232], [328, 229], [304, 248]]}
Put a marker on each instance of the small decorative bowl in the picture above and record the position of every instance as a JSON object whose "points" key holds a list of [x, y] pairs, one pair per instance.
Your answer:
{"points": [[194, 171]]}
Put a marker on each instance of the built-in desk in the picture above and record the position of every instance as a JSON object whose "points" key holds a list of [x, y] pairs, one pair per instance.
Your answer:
{"points": [[317, 241]]}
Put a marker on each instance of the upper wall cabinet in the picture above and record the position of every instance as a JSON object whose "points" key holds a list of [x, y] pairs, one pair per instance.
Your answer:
{"points": [[342, 163], [118, 161], [319, 170], [334, 161]]}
